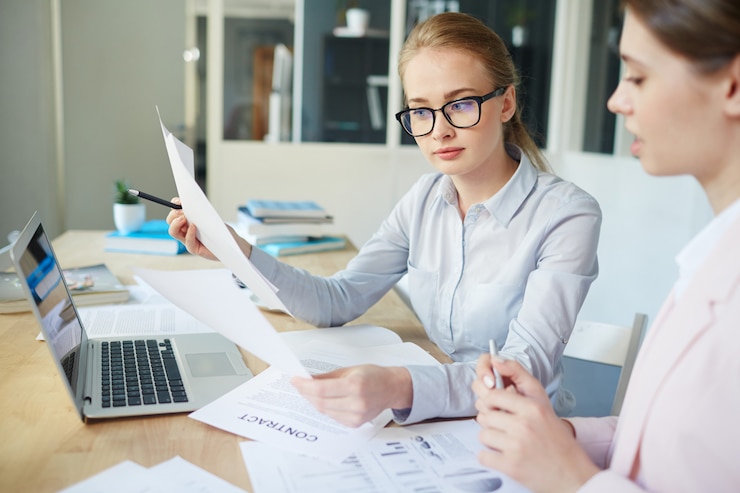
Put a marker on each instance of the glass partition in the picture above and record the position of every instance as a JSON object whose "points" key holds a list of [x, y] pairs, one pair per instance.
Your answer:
{"points": [[342, 87], [345, 73], [603, 76], [256, 57], [527, 27]]}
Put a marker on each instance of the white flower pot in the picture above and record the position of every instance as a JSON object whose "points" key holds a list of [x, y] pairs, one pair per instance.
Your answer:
{"points": [[358, 20], [129, 217]]}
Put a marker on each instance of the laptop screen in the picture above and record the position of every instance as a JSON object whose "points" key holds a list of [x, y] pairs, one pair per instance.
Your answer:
{"points": [[46, 289]]}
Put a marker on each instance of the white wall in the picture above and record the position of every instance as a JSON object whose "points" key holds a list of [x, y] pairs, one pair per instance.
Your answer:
{"points": [[358, 184], [27, 179], [646, 221], [119, 59]]}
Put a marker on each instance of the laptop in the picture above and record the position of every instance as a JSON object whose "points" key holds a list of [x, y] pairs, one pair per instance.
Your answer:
{"points": [[120, 376]]}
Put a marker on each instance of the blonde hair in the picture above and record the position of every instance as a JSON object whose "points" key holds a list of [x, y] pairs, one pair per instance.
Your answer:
{"points": [[464, 32]]}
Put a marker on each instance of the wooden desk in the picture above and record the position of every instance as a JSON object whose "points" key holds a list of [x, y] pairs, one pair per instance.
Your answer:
{"points": [[45, 447]]}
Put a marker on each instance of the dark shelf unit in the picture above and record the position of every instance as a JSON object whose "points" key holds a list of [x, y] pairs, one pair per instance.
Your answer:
{"points": [[347, 64]]}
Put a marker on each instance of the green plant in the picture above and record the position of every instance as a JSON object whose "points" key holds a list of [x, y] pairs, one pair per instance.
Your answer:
{"points": [[518, 15], [122, 196], [347, 4], [341, 9]]}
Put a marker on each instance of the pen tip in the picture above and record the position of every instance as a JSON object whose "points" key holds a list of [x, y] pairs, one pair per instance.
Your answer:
{"points": [[133, 192]]}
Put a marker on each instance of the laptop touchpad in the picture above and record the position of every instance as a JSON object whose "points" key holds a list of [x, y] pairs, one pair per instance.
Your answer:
{"points": [[210, 364]]}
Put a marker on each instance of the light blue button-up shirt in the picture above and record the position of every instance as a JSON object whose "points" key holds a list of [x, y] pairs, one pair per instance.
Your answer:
{"points": [[516, 270]]}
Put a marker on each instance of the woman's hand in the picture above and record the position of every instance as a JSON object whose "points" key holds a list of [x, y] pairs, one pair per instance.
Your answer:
{"points": [[187, 233], [523, 437], [357, 394]]}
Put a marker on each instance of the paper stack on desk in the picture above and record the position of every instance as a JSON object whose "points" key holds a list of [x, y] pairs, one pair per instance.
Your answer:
{"points": [[267, 408], [432, 457]]}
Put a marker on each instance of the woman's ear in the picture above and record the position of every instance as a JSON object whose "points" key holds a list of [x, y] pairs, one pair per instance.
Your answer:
{"points": [[732, 91], [509, 107]]}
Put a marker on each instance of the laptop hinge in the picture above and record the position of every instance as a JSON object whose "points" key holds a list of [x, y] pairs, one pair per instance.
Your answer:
{"points": [[89, 375]]}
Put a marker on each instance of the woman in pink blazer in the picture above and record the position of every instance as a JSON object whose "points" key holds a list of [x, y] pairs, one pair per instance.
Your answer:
{"points": [[679, 428]]}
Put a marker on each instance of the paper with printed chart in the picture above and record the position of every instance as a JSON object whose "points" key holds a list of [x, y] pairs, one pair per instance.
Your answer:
{"points": [[212, 230], [436, 457]]}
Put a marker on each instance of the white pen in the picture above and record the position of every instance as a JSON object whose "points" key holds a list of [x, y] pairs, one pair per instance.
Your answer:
{"points": [[493, 351]]}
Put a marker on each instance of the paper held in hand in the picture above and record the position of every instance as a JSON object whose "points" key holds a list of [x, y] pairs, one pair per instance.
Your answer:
{"points": [[212, 230]]}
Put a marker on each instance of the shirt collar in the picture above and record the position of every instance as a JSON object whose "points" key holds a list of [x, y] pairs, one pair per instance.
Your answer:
{"points": [[693, 255], [504, 203]]}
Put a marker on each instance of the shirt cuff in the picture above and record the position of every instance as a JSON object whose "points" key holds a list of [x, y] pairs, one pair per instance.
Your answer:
{"points": [[595, 435], [263, 262], [430, 386]]}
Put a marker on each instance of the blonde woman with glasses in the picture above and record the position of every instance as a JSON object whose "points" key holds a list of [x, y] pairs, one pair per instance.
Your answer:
{"points": [[495, 246]]}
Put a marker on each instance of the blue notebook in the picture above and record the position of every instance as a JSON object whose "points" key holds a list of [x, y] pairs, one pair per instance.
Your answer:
{"points": [[285, 208], [321, 244], [153, 238]]}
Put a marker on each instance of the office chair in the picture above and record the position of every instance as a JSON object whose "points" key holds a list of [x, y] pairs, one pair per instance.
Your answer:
{"points": [[598, 361]]}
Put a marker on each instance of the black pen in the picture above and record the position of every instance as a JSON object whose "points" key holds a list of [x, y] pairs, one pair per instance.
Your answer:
{"points": [[146, 196]]}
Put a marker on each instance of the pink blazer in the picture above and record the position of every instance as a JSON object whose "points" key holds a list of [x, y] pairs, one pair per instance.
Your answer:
{"points": [[679, 428]]}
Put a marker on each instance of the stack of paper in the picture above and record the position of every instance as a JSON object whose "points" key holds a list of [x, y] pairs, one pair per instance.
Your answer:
{"points": [[439, 457], [270, 410]]}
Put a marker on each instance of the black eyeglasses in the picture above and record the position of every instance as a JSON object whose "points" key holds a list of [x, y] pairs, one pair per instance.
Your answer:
{"points": [[461, 113]]}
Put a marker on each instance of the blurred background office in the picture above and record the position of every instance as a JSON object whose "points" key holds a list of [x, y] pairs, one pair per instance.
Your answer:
{"points": [[281, 99]]}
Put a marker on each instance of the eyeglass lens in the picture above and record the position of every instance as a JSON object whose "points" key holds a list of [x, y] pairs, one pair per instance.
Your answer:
{"points": [[462, 114]]}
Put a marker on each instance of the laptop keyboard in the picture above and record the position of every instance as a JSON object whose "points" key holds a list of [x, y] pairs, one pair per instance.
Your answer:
{"points": [[140, 372]]}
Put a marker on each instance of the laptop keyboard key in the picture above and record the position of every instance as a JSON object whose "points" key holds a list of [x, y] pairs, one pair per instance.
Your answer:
{"points": [[140, 372]]}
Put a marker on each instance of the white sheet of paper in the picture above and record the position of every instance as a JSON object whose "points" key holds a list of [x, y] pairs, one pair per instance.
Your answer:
{"points": [[433, 457], [212, 296], [180, 476], [268, 408], [172, 476], [139, 320], [212, 230], [124, 477], [352, 335]]}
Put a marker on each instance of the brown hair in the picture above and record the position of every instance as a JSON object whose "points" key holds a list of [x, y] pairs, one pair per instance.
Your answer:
{"points": [[706, 32], [464, 32]]}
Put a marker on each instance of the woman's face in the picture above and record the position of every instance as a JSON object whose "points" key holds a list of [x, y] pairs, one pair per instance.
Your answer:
{"points": [[672, 111], [434, 77]]}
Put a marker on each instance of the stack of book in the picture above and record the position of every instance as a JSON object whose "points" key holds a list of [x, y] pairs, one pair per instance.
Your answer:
{"points": [[153, 238], [283, 227]]}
